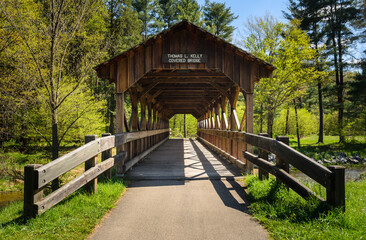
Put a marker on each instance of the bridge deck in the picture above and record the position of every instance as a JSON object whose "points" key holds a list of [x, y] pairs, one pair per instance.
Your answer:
{"points": [[167, 204], [183, 159]]}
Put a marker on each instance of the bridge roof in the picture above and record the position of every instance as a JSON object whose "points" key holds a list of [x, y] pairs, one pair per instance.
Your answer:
{"points": [[184, 69]]}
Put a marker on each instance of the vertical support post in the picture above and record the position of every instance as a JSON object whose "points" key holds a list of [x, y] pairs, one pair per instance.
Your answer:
{"points": [[91, 186], [105, 155], [185, 125], [120, 118], [281, 163], [31, 192], [224, 124], [217, 122], [264, 155], [234, 94], [249, 106], [336, 195]]}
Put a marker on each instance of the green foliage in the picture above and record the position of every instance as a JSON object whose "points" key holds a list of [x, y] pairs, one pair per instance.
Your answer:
{"points": [[124, 26], [80, 115], [287, 216], [58, 46], [191, 11], [151, 15], [169, 12], [288, 48], [176, 123], [73, 218], [218, 18], [308, 123]]}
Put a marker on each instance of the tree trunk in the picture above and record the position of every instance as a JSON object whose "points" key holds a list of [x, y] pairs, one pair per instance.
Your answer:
{"points": [[270, 123], [340, 89], [287, 124], [321, 117], [110, 113], [55, 144], [297, 126], [261, 119], [185, 125]]}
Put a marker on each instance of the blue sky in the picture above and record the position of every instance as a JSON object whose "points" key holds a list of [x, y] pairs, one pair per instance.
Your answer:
{"points": [[245, 9], [252, 8]]}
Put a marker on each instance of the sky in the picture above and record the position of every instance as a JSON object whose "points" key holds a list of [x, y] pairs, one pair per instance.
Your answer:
{"points": [[245, 9]]}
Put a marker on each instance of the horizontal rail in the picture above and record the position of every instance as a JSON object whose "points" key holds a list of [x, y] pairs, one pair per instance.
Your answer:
{"points": [[61, 165], [305, 164], [61, 193], [126, 137], [282, 175], [136, 159]]}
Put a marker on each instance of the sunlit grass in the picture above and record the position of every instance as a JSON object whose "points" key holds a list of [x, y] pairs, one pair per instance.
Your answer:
{"points": [[287, 216], [74, 218]]}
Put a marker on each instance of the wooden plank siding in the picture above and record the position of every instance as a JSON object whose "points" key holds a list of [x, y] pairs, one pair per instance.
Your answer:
{"points": [[235, 64]]}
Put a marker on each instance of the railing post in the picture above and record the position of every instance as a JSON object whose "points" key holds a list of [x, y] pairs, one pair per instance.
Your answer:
{"points": [[31, 192], [264, 155], [282, 163], [105, 155], [91, 187], [336, 194]]}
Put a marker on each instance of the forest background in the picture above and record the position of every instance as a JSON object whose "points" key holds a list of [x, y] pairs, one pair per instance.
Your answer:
{"points": [[50, 96]]}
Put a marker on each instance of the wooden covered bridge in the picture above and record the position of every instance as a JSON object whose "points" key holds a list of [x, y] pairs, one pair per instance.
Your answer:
{"points": [[182, 70]]}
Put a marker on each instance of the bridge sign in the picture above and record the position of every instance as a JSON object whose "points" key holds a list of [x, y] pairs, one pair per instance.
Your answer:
{"points": [[184, 58]]}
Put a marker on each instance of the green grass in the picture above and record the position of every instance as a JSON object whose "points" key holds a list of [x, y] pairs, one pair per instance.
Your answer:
{"points": [[355, 146], [74, 218], [287, 216]]}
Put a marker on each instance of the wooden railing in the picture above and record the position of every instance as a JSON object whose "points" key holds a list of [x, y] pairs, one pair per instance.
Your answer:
{"points": [[332, 178], [136, 146]]}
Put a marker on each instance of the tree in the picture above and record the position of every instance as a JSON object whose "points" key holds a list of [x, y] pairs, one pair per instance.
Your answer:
{"points": [[191, 11], [169, 12], [357, 97], [288, 48], [311, 14], [340, 35], [151, 16], [218, 18], [124, 30], [62, 44]]}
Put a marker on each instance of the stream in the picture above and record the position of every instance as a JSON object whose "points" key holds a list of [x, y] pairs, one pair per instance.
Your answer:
{"points": [[9, 197], [351, 174]]}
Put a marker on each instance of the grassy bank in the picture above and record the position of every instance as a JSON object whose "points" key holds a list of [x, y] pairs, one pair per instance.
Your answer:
{"points": [[13, 159], [331, 148], [287, 216], [74, 218]]}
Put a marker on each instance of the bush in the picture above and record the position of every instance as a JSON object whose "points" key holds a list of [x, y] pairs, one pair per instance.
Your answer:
{"points": [[308, 123]]}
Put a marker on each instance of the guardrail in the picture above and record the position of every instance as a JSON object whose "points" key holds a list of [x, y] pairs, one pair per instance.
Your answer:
{"points": [[332, 178], [37, 176]]}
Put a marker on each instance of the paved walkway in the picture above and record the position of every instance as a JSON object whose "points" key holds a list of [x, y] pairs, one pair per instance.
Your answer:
{"points": [[182, 191]]}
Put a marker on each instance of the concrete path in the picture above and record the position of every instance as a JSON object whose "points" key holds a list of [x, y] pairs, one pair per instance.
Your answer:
{"points": [[182, 191]]}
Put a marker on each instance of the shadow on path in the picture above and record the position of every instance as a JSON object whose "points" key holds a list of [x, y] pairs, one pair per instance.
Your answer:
{"points": [[232, 196]]}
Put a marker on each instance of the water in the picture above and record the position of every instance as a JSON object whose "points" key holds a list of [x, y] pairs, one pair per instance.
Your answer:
{"points": [[351, 174], [9, 197]]}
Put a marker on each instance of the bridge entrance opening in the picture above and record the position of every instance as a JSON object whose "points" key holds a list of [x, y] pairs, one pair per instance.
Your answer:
{"points": [[184, 70]]}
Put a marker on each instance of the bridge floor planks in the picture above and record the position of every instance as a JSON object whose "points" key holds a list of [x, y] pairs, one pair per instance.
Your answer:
{"points": [[182, 191], [183, 159]]}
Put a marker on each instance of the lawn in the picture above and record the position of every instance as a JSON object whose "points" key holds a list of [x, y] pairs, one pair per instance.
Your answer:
{"points": [[354, 147], [74, 218], [287, 216]]}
